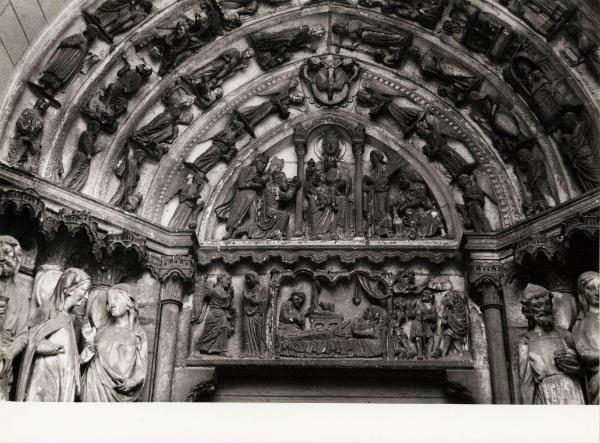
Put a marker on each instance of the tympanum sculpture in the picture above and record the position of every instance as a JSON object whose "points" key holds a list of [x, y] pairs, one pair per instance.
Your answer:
{"points": [[219, 317], [255, 304]]}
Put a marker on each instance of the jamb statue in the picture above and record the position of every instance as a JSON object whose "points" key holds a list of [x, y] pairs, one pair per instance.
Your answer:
{"points": [[586, 331], [115, 355], [14, 311], [548, 364]]}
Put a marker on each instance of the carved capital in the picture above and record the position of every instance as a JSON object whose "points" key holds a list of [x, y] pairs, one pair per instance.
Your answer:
{"points": [[300, 141], [167, 267], [27, 200], [486, 273], [358, 139], [486, 279]]}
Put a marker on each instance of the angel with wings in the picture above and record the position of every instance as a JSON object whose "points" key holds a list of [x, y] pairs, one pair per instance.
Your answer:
{"points": [[190, 193], [381, 103], [437, 148]]}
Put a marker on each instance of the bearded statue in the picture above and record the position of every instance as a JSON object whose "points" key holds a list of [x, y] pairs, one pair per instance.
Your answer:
{"points": [[548, 363], [10, 256], [14, 311]]}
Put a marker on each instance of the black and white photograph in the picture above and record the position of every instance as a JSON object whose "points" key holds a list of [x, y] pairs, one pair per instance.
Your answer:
{"points": [[361, 203]]}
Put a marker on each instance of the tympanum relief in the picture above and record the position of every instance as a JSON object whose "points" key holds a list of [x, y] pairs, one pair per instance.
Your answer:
{"points": [[359, 314]]}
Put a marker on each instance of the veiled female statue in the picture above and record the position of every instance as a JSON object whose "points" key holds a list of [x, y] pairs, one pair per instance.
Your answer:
{"points": [[50, 365], [116, 354], [586, 331]]}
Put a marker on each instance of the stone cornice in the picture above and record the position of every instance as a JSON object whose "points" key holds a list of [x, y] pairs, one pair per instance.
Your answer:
{"points": [[549, 223], [103, 217]]}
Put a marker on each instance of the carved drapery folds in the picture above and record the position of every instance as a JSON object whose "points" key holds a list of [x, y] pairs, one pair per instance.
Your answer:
{"points": [[335, 136], [381, 316]]}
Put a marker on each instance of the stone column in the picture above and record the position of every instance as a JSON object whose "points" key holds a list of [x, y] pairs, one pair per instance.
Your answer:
{"points": [[174, 274], [358, 149], [300, 145], [486, 279]]}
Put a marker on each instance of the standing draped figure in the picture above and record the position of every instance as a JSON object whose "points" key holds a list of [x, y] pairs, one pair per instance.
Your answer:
{"points": [[586, 331], [116, 355], [50, 365], [253, 325], [219, 323], [548, 364], [14, 311], [82, 159]]}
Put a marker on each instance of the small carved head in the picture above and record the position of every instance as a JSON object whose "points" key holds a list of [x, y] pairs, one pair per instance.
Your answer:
{"points": [[569, 121], [339, 29], [376, 157], [248, 53], [296, 99], [143, 70], [224, 280], [91, 32], [464, 180], [427, 296], [260, 162], [231, 20], [365, 97], [146, 6], [536, 306], [120, 302], [42, 105], [451, 27], [74, 286], [11, 256], [93, 127], [298, 298], [251, 279], [317, 32], [588, 290]]}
